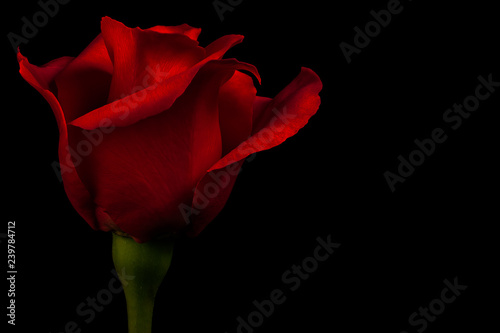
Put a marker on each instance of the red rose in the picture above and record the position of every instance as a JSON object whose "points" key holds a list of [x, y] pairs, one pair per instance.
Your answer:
{"points": [[154, 128]]}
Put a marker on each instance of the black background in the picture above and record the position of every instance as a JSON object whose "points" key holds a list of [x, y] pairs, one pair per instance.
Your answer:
{"points": [[396, 248]]}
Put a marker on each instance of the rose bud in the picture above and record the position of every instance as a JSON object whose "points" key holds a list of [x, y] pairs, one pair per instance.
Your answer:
{"points": [[154, 128]]}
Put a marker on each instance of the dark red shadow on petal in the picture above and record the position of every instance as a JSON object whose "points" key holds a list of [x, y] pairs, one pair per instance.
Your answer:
{"points": [[236, 98], [84, 84]]}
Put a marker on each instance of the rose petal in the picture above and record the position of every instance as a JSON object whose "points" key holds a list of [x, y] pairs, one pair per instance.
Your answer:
{"points": [[41, 78], [136, 52], [183, 29], [217, 49], [159, 97], [288, 112], [236, 99]]}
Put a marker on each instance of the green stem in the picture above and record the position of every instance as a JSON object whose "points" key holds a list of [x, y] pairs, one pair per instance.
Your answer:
{"points": [[141, 267]]}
